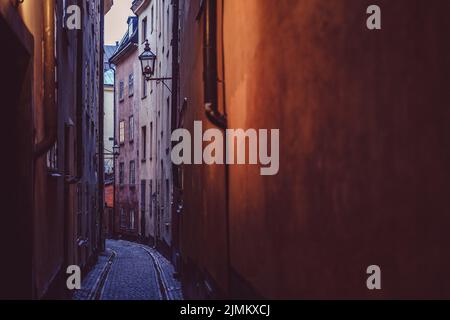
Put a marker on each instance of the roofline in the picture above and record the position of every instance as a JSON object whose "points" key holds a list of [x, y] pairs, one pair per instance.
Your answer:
{"points": [[138, 9], [119, 55]]}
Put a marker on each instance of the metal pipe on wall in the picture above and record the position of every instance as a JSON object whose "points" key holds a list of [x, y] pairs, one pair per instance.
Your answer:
{"points": [[49, 105], [101, 118], [210, 65]]}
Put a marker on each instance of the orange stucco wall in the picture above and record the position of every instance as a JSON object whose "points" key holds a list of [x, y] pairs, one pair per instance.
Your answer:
{"points": [[364, 149]]}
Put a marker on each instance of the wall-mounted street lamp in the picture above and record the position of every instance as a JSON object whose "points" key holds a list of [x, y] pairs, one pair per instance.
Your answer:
{"points": [[116, 150], [148, 62]]}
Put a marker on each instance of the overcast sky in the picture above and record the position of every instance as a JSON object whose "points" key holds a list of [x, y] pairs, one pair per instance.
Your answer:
{"points": [[116, 21]]}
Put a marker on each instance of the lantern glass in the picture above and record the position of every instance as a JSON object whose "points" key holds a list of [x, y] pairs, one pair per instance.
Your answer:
{"points": [[148, 59], [116, 150]]}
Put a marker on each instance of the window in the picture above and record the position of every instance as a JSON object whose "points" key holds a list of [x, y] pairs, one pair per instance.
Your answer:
{"points": [[132, 220], [160, 18], [121, 90], [143, 195], [168, 33], [122, 218], [132, 173], [152, 20], [79, 209], [131, 128], [130, 29], [122, 132], [121, 173], [167, 196], [161, 24], [144, 88], [52, 158], [144, 29], [168, 25], [131, 85], [144, 143], [168, 124], [151, 141], [151, 199]]}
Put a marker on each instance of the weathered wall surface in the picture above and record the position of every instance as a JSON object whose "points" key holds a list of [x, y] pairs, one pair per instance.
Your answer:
{"points": [[364, 150], [364, 175], [203, 235], [47, 240], [128, 194]]}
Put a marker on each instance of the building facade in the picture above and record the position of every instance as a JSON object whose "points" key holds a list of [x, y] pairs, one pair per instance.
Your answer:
{"points": [[127, 97], [363, 176], [109, 139], [155, 118], [55, 129], [109, 76]]}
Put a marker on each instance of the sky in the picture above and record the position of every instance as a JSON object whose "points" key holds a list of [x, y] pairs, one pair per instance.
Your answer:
{"points": [[116, 21]]}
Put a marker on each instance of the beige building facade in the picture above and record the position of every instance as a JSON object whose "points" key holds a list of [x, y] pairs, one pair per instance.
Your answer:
{"points": [[155, 26]]}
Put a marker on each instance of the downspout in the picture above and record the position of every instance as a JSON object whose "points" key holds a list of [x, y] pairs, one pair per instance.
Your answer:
{"points": [[80, 102], [227, 167], [79, 112], [210, 65], [175, 183], [50, 109], [213, 114], [101, 120]]}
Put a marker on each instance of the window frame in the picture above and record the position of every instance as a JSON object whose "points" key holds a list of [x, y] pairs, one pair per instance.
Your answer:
{"points": [[144, 143], [122, 132], [132, 216], [123, 218], [131, 128], [122, 173], [131, 84], [132, 174], [144, 29], [121, 90]]}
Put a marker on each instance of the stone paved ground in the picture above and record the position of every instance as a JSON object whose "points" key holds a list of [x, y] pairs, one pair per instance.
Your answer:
{"points": [[136, 272], [172, 287], [91, 281]]}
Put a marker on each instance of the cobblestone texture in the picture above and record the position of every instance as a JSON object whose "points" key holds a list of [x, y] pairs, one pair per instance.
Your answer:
{"points": [[172, 286], [137, 272], [92, 279]]}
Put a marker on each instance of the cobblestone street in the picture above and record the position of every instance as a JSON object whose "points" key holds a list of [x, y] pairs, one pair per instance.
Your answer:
{"points": [[130, 271]]}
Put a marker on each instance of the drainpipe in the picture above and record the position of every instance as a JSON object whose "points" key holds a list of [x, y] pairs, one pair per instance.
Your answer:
{"points": [[79, 112], [101, 120], [175, 182], [50, 109], [210, 65], [211, 97]]}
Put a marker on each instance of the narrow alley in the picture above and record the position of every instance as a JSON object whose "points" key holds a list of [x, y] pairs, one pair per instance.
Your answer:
{"points": [[225, 150], [130, 271]]}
